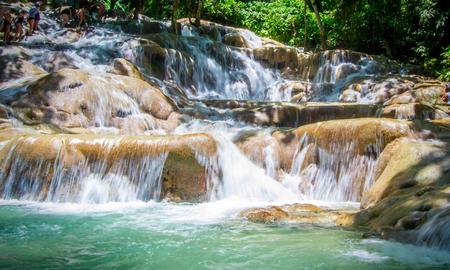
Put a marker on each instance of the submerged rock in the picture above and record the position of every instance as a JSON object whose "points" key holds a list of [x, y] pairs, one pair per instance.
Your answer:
{"points": [[300, 213]]}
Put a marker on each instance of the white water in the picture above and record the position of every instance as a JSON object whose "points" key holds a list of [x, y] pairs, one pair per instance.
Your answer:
{"points": [[203, 68], [339, 175]]}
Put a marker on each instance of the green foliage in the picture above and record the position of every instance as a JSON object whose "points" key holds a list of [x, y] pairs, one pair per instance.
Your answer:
{"points": [[224, 11], [441, 65]]}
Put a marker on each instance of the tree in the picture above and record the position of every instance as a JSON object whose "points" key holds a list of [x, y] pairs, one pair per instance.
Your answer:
{"points": [[138, 7], [175, 6], [314, 4], [305, 21], [198, 14]]}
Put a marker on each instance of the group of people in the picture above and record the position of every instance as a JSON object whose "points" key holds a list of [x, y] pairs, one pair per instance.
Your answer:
{"points": [[12, 24], [76, 13], [72, 13]]}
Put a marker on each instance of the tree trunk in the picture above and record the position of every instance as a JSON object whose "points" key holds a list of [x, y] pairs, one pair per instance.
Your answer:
{"points": [[319, 22], [113, 3], [198, 14], [138, 8], [189, 10], [305, 31], [156, 9], [175, 6]]}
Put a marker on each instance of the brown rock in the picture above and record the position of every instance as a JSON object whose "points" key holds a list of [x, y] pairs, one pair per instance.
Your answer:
{"points": [[300, 213], [14, 64], [55, 61], [236, 40], [123, 67], [77, 99], [183, 176]]}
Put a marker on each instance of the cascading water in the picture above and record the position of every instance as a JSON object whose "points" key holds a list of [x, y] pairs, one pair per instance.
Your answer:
{"points": [[88, 180], [336, 175], [204, 68], [111, 201]]}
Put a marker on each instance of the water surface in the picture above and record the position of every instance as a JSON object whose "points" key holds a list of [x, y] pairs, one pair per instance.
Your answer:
{"points": [[152, 235]]}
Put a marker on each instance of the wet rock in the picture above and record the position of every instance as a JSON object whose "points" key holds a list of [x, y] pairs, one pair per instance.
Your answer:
{"points": [[412, 111], [143, 26], [411, 193], [411, 221], [69, 36], [123, 67], [55, 61], [286, 59], [405, 160], [236, 40], [300, 213], [396, 89], [349, 95], [147, 54], [300, 91], [366, 135], [294, 115], [77, 99], [265, 215], [123, 157], [14, 64], [429, 92]]}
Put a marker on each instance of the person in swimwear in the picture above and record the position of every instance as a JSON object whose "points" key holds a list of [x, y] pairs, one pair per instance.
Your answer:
{"points": [[6, 27], [33, 18], [18, 23]]}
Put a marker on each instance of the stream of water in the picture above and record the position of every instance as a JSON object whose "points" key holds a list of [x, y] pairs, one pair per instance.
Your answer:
{"points": [[112, 217], [162, 235]]}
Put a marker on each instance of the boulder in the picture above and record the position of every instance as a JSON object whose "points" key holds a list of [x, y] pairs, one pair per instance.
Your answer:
{"points": [[429, 92], [349, 95], [123, 67], [147, 54], [409, 200], [77, 99], [236, 40], [300, 213], [407, 163]]}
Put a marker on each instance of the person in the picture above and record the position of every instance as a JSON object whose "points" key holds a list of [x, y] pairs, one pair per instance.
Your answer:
{"points": [[18, 23], [101, 11], [81, 17], [445, 97], [33, 18], [66, 14], [6, 26], [98, 9]]}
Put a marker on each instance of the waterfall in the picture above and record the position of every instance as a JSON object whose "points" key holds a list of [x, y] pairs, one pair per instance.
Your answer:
{"points": [[62, 175], [334, 69], [336, 175], [203, 67], [244, 180]]}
